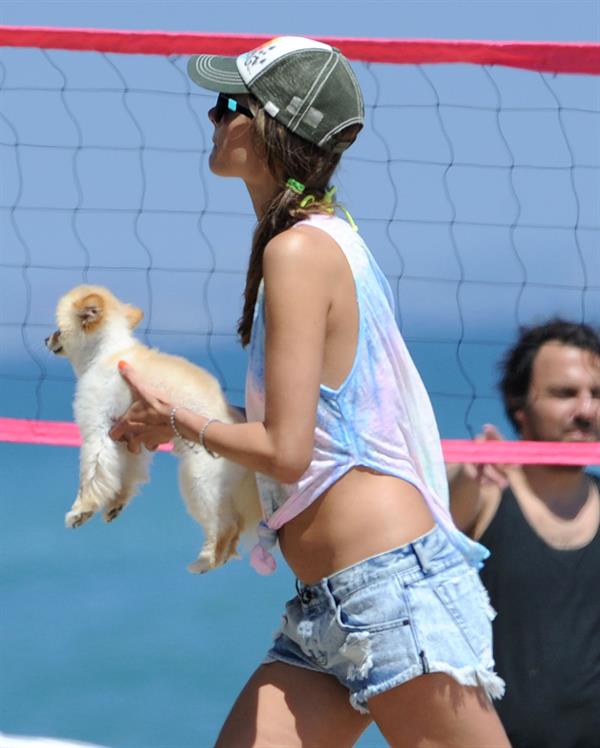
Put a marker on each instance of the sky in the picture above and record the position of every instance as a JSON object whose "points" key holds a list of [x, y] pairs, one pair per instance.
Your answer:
{"points": [[568, 20], [414, 142]]}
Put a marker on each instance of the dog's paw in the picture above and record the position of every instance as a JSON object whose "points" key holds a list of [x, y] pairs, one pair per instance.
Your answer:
{"points": [[201, 565], [113, 512], [76, 519], [206, 562], [217, 551]]}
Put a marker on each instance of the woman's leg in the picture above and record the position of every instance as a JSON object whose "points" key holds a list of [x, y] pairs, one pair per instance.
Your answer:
{"points": [[435, 711], [283, 706]]}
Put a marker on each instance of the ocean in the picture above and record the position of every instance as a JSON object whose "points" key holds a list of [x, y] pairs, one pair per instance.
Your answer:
{"points": [[104, 635]]}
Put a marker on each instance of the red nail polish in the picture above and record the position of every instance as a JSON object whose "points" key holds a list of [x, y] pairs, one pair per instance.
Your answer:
{"points": [[122, 365]]}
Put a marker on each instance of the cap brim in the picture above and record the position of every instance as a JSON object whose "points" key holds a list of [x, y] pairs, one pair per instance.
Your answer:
{"points": [[217, 73]]}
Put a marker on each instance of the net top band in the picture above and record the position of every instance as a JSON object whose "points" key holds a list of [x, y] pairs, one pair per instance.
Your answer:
{"points": [[552, 57]]}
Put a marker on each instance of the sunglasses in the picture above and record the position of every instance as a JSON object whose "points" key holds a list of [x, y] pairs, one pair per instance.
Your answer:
{"points": [[226, 104]]}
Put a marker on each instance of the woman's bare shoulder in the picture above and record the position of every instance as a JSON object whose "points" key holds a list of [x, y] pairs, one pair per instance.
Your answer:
{"points": [[302, 248]]}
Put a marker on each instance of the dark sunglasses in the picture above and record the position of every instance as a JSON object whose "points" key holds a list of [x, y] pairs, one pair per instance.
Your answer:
{"points": [[226, 104]]}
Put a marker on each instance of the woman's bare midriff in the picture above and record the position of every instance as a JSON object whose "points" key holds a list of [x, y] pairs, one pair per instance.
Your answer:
{"points": [[363, 514]]}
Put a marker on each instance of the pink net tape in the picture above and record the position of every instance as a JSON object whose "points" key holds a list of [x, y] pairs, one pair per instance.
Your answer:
{"points": [[60, 434]]}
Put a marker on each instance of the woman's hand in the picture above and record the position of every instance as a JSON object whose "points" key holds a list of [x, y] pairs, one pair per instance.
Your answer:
{"points": [[147, 421]]}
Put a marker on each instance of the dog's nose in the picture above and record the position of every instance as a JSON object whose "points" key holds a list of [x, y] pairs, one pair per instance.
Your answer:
{"points": [[46, 340]]}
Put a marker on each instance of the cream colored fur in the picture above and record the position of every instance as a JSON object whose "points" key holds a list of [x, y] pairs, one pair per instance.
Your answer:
{"points": [[95, 332]]}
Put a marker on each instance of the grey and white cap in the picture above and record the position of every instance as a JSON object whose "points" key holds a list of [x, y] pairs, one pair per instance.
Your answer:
{"points": [[306, 85]]}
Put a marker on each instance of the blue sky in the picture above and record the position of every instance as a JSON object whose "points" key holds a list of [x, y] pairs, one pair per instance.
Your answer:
{"points": [[445, 19], [455, 345]]}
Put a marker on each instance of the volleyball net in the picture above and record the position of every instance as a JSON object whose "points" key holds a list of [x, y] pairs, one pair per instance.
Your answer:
{"points": [[476, 183]]}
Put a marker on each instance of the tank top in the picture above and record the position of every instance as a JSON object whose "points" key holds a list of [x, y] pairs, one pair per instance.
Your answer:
{"points": [[546, 633], [380, 417]]}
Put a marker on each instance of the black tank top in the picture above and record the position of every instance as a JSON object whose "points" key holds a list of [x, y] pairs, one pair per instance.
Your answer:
{"points": [[546, 634]]}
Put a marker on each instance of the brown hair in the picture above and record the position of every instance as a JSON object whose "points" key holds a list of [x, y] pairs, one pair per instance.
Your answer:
{"points": [[516, 366], [287, 156]]}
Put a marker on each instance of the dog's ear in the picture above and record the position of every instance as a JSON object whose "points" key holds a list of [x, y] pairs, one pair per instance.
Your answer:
{"points": [[90, 310], [134, 315]]}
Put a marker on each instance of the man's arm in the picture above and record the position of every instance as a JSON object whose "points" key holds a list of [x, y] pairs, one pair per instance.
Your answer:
{"points": [[474, 488], [465, 495]]}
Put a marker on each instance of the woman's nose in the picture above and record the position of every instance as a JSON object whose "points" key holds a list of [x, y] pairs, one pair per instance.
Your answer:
{"points": [[211, 115]]}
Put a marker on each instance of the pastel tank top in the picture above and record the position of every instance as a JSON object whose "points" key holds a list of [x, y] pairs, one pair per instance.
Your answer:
{"points": [[380, 417]]}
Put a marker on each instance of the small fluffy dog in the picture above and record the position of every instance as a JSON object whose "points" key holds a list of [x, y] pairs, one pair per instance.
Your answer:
{"points": [[95, 332]]}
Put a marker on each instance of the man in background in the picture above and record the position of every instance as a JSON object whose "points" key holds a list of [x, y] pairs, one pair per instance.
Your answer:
{"points": [[540, 523]]}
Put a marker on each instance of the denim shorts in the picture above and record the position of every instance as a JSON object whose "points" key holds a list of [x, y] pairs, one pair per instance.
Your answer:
{"points": [[416, 609]]}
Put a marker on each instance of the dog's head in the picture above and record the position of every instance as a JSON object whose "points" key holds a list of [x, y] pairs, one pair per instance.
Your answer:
{"points": [[84, 316]]}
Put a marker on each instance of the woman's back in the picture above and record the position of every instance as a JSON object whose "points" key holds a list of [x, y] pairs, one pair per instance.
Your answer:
{"points": [[376, 461]]}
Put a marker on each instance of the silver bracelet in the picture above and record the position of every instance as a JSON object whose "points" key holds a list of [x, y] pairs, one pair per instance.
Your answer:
{"points": [[201, 436], [189, 444]]}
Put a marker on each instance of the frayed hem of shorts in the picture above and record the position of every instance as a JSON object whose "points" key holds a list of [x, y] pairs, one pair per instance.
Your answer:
{"points": [[491, 683], [270, 659], [359, 699]]}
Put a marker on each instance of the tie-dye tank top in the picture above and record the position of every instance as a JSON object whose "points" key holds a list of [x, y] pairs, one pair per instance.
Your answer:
{"points": [[380, 417]]}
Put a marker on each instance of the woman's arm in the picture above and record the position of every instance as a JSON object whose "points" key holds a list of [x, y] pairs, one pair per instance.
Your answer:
{"points": [[298, 277]]}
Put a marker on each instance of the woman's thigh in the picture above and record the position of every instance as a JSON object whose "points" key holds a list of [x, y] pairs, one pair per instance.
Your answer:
{"points": [[283, 706], [435, 711]]}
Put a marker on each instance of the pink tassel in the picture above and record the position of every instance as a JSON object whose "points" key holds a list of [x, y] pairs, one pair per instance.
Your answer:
{"points": [[262, 561]]}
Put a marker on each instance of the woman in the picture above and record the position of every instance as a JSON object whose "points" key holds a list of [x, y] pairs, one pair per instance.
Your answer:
{"points": [[390, 621]]}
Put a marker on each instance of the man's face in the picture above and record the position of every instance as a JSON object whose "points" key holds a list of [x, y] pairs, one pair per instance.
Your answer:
{"points": [[563, 403]]}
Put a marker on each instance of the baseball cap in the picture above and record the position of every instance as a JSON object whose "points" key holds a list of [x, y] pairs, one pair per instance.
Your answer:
{"points": [[306, 85]]}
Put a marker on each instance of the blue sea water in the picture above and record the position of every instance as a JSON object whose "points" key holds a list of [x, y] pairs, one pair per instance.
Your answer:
{"points": [[104, 635]]}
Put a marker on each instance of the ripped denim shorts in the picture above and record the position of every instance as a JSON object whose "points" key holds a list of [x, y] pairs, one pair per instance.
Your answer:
{"points": [[412, 610]]}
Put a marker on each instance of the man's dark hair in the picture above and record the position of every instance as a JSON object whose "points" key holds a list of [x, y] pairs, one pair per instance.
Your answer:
{"points": [[517, 364]]}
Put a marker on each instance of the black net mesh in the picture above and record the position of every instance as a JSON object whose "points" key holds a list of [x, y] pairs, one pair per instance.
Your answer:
{"points": [[477, 188]]}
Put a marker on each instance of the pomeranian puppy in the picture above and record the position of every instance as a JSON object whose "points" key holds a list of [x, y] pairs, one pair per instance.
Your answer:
{"points": [[95, 332]]}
